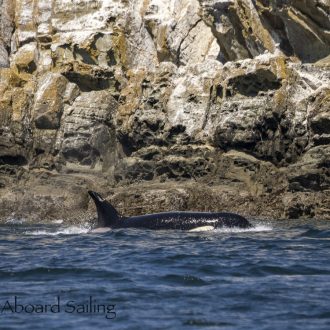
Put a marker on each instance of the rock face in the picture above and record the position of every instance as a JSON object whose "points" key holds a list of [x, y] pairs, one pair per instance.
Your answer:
{"points": [[190, 104]]}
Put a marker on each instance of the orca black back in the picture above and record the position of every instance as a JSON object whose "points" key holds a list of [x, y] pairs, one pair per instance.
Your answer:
{"points": [[109, 217]]}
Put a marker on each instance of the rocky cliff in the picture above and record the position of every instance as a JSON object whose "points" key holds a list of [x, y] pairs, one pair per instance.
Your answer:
{"points": [[165, 104]]}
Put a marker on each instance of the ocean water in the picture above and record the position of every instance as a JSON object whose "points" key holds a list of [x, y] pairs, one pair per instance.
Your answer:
{"points": [[274, 276]]}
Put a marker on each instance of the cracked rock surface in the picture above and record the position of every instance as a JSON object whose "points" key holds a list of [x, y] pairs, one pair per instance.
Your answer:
{"points": [[165, 105]]}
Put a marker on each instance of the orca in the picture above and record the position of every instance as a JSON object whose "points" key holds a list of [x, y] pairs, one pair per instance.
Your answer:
{"points": [[192, 221]]}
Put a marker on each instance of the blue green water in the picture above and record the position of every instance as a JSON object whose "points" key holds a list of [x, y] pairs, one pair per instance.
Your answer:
{"points": [[275, 276]]}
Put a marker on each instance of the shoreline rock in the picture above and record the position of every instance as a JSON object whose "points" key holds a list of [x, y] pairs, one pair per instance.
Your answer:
{"points": [[217, 104]]}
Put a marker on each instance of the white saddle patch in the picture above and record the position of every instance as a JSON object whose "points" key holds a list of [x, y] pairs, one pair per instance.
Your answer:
{"points": [[203, 228], [100, 230]]}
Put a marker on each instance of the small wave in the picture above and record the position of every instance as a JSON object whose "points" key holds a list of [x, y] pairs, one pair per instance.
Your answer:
{"points": [[42, 271], [184, 279], [206, 323], [316, 233], [255, 229], [72, 230]]}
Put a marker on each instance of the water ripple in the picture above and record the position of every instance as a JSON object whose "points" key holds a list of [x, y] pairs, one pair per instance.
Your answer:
{"points": [[272, 276]]}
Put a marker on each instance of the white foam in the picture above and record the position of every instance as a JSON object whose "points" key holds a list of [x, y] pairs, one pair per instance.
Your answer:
{"points": [[58, 222], [84, 229], [72, 230], [15, 221]]}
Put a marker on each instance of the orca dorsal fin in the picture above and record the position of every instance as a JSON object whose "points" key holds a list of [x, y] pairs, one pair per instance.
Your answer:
{"points": [[107, 215]]}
